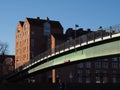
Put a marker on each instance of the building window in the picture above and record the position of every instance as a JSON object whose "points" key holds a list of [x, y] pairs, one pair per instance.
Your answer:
{"points": [[97, 73], [88, 80], [105, 65], [25, 33], [25, 27], [18, 59], [98, 64], [104, 73], [20, 43], [119, 59], [71, 76], [80, 79], [24, 56], [32, 33], [80, 72], [105, 79], [88, 64], [97, 79], [16, 43], [114, 59], [105, 60], [32, 42], [19, 51], [80, 65], [87, 73], [20, 35], [46, 28], [114, 65], [114, 74], [18, 30], [69, 38], [114, 80], [25, 49], [32, 54], [27, 56], [119, 65], [25, 41]]}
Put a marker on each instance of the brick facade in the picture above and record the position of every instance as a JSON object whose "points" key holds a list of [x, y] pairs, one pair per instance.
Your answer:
{"points": [[33, 38]]}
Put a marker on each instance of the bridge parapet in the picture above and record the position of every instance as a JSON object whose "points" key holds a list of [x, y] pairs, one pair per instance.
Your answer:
{"points": [[100, 35]]}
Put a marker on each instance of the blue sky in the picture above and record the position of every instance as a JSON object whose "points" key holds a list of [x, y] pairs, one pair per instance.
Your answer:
{"points": [[85, 13]]}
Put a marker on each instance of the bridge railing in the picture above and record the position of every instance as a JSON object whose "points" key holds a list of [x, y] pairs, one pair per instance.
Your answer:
{"points": [[90, 36], [103, 32]]}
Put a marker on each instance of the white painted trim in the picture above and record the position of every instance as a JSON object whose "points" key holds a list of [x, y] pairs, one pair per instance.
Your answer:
{"points": [[49, 56], [107, 37], [85, 43], [99, 39], [116, 35], [77, 46], [52, 54], [61, 51], [92, 41], [66, 49], [57, 53]]}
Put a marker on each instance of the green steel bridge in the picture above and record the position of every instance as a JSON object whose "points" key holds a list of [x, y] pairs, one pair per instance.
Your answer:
{"points": [[101, 43]]}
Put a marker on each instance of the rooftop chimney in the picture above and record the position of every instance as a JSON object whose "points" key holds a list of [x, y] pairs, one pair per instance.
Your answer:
{"points": [[47, 18], [38, 18]]}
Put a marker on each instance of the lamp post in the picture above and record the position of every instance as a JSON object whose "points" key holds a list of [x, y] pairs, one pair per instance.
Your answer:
{"points": [[76, 25]]}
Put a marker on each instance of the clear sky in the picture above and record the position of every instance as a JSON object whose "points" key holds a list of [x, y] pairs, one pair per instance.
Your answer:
{"points": [[85, 13]]}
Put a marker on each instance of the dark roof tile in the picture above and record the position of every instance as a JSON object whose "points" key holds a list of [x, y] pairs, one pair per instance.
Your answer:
{"points": [[21, 22], [40, 22]]}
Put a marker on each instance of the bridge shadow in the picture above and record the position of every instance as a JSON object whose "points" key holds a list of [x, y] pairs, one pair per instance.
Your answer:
{"points": [[26, 86], [67, 86]]}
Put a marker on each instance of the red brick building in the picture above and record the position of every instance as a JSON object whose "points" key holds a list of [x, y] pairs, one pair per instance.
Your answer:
{"points": [[34, 36]]}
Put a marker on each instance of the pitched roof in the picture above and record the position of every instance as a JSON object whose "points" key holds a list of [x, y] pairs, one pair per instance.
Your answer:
{"points": [[21, 22], [40, 22]]}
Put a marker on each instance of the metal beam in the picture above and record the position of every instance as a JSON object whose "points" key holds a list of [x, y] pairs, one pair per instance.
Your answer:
{"points": [[110, 48]]}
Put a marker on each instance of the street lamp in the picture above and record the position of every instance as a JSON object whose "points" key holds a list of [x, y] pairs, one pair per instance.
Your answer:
{"points": [[76, 25]]}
